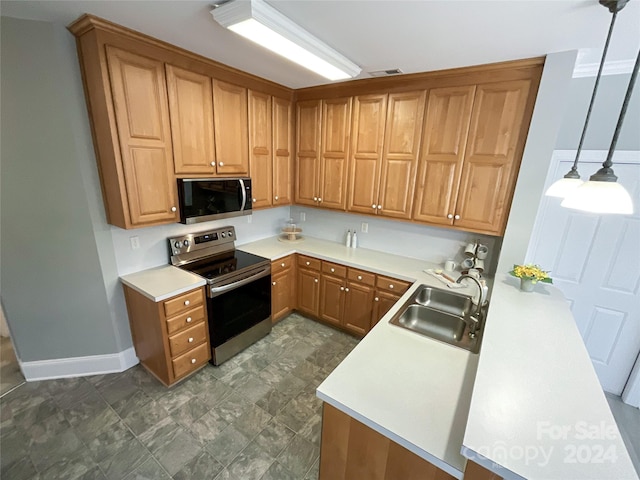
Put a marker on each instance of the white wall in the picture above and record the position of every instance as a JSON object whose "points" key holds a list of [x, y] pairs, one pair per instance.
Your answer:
{"points": [[548, 113]]}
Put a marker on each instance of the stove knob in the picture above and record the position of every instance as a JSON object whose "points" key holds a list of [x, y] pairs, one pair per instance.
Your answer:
{"points": [[230, 233], [178, 244], [223, 234], [186, 243]]}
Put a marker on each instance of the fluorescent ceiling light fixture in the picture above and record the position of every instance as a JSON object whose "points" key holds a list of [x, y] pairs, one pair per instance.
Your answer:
{"points": [[264, 25]]}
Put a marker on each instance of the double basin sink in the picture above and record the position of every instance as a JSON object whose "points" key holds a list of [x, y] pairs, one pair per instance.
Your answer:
{"points": [[442, 315]]}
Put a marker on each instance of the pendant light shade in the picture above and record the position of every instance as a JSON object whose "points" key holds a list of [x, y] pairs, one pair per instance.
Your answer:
{"points": [[600, 197], [563, 187]]}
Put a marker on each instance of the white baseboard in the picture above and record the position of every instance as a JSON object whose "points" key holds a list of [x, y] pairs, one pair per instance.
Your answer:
{"points": [[79, 366]]}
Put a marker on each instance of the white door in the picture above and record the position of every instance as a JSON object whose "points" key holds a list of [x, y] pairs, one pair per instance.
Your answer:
{"points": [[595, 261]]}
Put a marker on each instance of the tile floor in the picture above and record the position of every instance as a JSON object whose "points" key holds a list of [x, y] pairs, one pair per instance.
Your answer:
{"points": [[254, 417], [10, 374]]}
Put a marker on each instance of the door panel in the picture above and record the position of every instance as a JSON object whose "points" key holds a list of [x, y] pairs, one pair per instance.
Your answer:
{"points": [[260, 142], [403, 129], [594, 260], [369, 112], [331, 298], [282, 158], [358, 308], [444, 139], [231, 128], [336, 121], [308, 115], [308, 291]]}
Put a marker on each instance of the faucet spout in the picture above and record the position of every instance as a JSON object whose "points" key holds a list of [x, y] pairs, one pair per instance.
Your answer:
{"points": [[475, 317]]}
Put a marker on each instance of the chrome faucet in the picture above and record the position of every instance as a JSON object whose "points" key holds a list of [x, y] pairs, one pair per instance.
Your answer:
{"points": [[475, 316]]}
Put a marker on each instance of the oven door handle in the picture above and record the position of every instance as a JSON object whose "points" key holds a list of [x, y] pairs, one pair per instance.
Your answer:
{"points": [[244, 195], [224, 288]]}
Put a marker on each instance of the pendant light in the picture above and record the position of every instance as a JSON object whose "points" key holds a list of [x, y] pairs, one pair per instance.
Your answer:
{"points": [[602, 193], [561, 188]]}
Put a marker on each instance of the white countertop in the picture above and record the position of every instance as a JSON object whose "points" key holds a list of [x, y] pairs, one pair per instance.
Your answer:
{"points": [[535, 379], [162, 282]]}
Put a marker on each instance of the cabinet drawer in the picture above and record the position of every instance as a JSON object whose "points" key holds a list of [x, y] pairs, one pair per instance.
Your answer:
{"points": [[190, 361], [361, 276], [309, 262], [184, 320], [182, 302], [392, 284], [183, 341], [281, 264], [334, 269]]}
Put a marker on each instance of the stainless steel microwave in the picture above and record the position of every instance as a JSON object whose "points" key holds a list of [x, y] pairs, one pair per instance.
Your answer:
{"points": [[206, 199]]}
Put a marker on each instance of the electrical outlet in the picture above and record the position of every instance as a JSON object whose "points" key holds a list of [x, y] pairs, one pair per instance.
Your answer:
{"points": [[365, 227], [249, 218], [135, 242], [303, 216]]}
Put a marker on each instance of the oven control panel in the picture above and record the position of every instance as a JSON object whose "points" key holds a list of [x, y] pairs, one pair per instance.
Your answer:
{"points": [[222, 237]]}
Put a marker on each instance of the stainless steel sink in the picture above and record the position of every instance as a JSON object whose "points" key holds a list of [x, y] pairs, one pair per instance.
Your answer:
{"points": [[442, 315]]}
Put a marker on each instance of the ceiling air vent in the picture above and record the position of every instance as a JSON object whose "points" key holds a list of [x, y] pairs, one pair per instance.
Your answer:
{"points": [[386, 73]]}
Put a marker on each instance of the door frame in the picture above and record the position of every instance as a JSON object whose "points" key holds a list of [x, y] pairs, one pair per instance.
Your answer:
{"points": [[588, 164]]}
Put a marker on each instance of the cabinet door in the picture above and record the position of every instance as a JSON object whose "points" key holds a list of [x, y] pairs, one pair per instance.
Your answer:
{"points": [[191, 113], [140, 102], [367, 136], [358, 308], [332, 294], [382, 303], [308, 291], [282, 290], [308, 116], [282, 157], [493, 153], [260, 153], [231, 128], [400, 155], [334, 156], [443, 142]]}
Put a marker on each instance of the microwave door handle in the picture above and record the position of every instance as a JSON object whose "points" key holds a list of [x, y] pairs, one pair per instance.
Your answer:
{"points": [[244, 195]]}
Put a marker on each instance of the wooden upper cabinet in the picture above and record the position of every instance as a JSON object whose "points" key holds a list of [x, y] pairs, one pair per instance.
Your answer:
{"points": [[443, 146], [367, 136], [494, 149], [260, 148], [191, 113], [282, 152], [405, 112], [334, 154], [231, 128], [308, 118], [140, 104]]}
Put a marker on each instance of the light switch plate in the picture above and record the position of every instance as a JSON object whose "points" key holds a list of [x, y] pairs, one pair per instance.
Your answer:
{"points": [[135, 242], [303, 216], [365, 227]]}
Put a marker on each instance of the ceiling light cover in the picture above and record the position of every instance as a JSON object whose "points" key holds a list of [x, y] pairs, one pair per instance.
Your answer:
{"points": [[563, 187], [264, 25], [600, 197]]}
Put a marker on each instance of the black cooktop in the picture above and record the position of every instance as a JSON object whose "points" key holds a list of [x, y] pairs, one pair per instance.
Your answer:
{"points": [[224, 263]]}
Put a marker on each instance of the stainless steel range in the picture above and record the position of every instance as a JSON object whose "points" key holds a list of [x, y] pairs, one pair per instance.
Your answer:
{"points": [[238, 288]]}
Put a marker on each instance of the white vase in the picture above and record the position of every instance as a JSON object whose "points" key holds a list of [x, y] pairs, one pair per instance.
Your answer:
{"points": [[527, 285]]}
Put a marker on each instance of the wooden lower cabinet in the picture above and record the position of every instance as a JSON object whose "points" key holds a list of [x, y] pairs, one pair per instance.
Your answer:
{"points": [[283, 287], [383, 301], [351, 450], [358, 308], [308, 285], [171, 338], [332, 299]]}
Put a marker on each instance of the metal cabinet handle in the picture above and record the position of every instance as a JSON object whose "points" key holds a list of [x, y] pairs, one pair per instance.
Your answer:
{"points": [[189, 319]]}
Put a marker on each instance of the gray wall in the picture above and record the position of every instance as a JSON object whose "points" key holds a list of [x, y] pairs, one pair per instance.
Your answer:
{"points": [[548, 113], [604, 117], [58, 270]]}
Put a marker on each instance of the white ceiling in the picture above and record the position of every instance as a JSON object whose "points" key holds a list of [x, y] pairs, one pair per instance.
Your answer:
{"points": [[415, 36]]}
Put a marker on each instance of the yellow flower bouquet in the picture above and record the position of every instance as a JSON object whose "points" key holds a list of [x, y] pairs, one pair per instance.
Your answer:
{"points": [[531, 272]]}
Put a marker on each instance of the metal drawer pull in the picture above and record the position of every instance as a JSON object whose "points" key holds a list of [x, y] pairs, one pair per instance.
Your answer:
{"points": [[189, 319], [193, 360], [187, 302], [190, 339]]}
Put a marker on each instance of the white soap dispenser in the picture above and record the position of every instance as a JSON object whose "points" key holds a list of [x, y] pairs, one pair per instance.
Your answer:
{"points": [[348, 242], [354, 239]]}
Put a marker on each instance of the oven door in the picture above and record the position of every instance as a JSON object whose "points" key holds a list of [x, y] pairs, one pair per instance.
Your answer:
{"points": [[239, 305]]}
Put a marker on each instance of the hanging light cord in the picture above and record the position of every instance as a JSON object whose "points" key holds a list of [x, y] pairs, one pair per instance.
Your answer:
{"points": [[573, 173], [606, 173]]}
